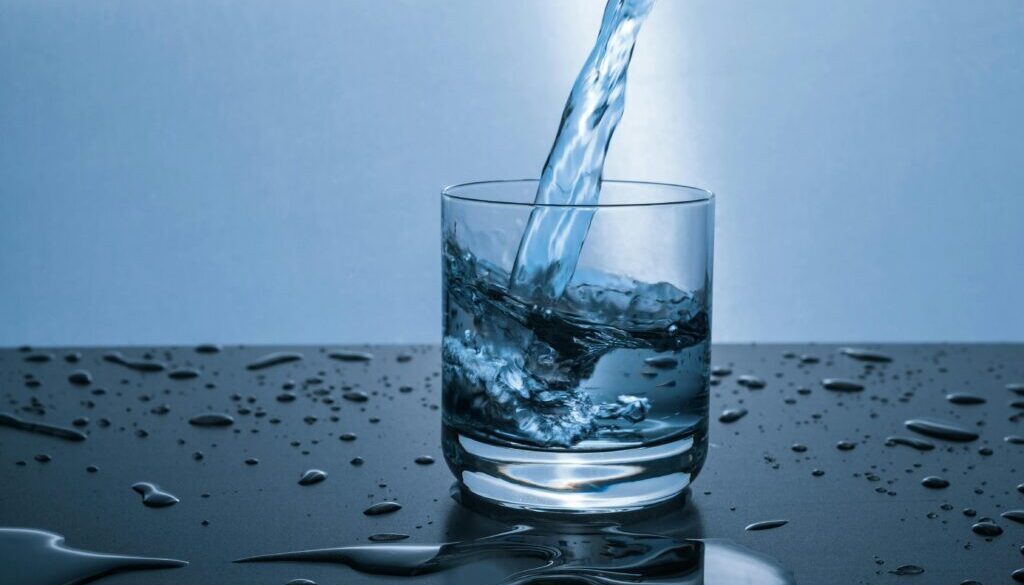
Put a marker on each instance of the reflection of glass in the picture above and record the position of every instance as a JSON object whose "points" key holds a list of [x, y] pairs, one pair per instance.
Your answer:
{"points": [[594, 399], [551, 552]]}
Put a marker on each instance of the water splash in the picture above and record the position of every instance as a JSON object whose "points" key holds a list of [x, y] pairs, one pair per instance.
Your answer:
{"points": [[553, 239]]}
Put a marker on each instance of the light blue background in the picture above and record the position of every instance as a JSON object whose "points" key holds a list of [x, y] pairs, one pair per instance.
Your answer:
{"points": [[267, 171]]}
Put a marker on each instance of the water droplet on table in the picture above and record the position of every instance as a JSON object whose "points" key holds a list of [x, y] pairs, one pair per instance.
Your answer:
{"points": [[381, 508], [80, 378], [841, 385], [115, 357], [15, 422], [767, 524], [183, 374], [941, 430], [865, 355], [987, 529], [907, 570], [312, 476], [153, 496], [964, 399], [212, 419], [919, 444], [934, 482], [731, 415], [37, 557], [1014, 515], [39, 358], [274, 359], [750, 381], [350, 356]]}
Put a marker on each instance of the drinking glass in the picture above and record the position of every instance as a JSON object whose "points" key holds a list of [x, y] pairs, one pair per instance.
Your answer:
{"points": [[593, 398]]}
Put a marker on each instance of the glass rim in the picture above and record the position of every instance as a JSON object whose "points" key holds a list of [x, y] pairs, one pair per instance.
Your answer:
{"points": [[702, 195]]}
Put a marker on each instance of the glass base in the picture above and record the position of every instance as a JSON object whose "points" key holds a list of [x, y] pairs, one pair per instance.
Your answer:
{"points": [[588, 482]]}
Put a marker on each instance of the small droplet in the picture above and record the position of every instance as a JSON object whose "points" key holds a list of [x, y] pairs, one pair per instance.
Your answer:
{"points": [[252, 461], [347, 436], [43, 458], [425, 460], [940, 430], [1014, 515], [350, 356], [357, 461], [274, 359], [212, 419], [92, 469], [382, 508], [1016, 388], [841, 385], [934, 482], [731, 415], [818, 473], [80, 378], [964, 399], [39, 358], [907, 570], [356, 396], [312, 476], [207, 348], [720, 371], [1018, 575], [286, 397], [987, 529], [388, 537], [115, 357], [865, 355], [767, 524], [750, 381], [919, 444], [846, 445], [184, 374], [10, 420], [153, 496], [300, 582], [1014, 439], [799, 448]]}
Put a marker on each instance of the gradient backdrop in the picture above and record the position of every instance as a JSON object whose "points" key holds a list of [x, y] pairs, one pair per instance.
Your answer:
{"points": [[262, 171]]}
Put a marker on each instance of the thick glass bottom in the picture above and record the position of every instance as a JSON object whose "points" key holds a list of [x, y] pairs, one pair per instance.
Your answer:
{"points": [[584, 482]]}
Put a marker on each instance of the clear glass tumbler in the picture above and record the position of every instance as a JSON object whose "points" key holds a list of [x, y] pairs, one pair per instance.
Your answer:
{"points": [[593, 398]]}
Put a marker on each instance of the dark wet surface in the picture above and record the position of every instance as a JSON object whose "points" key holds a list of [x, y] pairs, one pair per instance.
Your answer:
{"points": [[860, 521]]}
